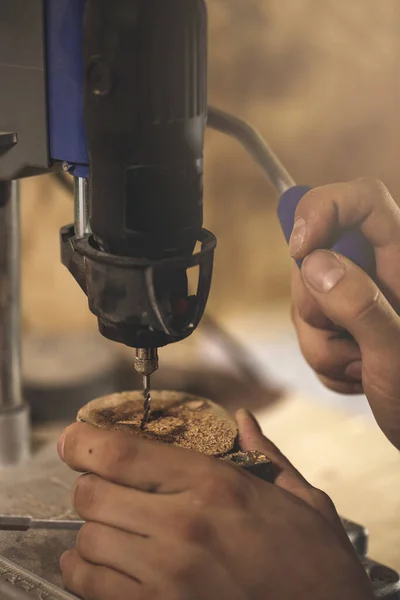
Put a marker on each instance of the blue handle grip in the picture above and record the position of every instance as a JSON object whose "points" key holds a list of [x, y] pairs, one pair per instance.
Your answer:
{"points": [[352, 244]]}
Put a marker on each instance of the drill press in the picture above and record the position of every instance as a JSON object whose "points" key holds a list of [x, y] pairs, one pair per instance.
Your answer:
{"points": [[115, 93]]}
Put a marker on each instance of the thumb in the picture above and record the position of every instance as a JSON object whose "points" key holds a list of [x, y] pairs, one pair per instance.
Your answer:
{"points": [[349, 298]]}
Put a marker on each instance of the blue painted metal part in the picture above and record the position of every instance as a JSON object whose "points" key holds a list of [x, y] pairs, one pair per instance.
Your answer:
{"points": [[64, 25]]}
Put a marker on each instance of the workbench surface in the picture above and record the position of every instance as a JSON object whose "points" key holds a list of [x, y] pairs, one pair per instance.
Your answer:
{"points": [[40, 489]]}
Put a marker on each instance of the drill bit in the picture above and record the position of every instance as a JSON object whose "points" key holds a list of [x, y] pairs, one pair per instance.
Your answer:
{"points": [[146, 363], [147, 401]]}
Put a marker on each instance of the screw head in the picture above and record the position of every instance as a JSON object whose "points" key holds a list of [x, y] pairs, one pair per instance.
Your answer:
{"points": [[68, 167]]}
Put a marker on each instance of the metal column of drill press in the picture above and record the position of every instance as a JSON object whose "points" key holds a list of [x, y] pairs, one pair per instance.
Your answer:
{"points": [[14, 416]]}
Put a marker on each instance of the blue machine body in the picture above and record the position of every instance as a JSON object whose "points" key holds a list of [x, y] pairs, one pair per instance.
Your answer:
{"points": [[65, 82]]}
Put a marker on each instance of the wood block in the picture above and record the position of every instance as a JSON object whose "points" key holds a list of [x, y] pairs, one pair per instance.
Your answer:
{"points": [[179, 419]]}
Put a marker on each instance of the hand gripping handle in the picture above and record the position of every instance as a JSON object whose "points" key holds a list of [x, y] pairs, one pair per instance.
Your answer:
{"points": [[352, 244]]}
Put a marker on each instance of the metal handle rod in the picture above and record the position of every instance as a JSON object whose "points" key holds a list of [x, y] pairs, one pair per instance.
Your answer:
{"points": [[24, 523], [273, 169], [255, 145]]}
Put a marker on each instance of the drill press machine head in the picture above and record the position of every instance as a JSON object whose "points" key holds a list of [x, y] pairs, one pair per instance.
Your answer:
{"points": [[145, 110]]}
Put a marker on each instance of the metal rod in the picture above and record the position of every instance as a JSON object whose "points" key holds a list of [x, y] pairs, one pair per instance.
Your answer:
{"points": [[14, 418], [82, 212], [255, 145], [10, 301], [24, 523]]}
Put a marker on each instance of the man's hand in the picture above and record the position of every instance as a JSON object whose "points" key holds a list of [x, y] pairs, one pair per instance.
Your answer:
{"points": [[169, 524], [330, 293]]}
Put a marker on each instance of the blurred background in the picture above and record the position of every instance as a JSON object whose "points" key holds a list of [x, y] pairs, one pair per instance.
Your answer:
{"points": [[320, 80]]}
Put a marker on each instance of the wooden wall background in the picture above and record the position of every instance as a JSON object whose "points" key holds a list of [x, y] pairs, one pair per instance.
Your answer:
{"points": [[320, 79]]}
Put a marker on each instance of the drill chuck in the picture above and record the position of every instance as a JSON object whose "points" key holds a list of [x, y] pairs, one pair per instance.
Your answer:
{"points": [[146, 361]]}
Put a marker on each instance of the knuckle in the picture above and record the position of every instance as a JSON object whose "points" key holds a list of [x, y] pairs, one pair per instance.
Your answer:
{"points": [[305, 311], [323, 503], [85, 494], [190, 527], [318, 357], [222, 488], [78, 578], [310, 314], [90, 584], [184, 568], [88, 539], [97, 583], [375, 185], [315, 202], [366, 307], [115, 456], [340, 387], [319, 362], [68, 569], [311, 196], [334, 386]]}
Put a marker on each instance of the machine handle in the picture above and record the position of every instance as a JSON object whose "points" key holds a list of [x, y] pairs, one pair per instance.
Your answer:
{"points": [[352, 244]]}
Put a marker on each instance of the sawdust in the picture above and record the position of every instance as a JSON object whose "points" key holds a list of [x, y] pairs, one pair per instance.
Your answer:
{"points": [[177, 418]]}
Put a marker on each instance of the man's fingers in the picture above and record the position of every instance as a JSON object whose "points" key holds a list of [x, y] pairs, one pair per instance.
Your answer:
{"points": [[352, 300], [90, 581], [329, 209], [328, 353], [305, 306], [105, 546], [130, 460], [342, 387], [325, 213], [96, 499], [152, 562]]}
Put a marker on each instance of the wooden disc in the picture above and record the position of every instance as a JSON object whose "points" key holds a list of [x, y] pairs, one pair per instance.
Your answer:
{"points": [[177, 418]]}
